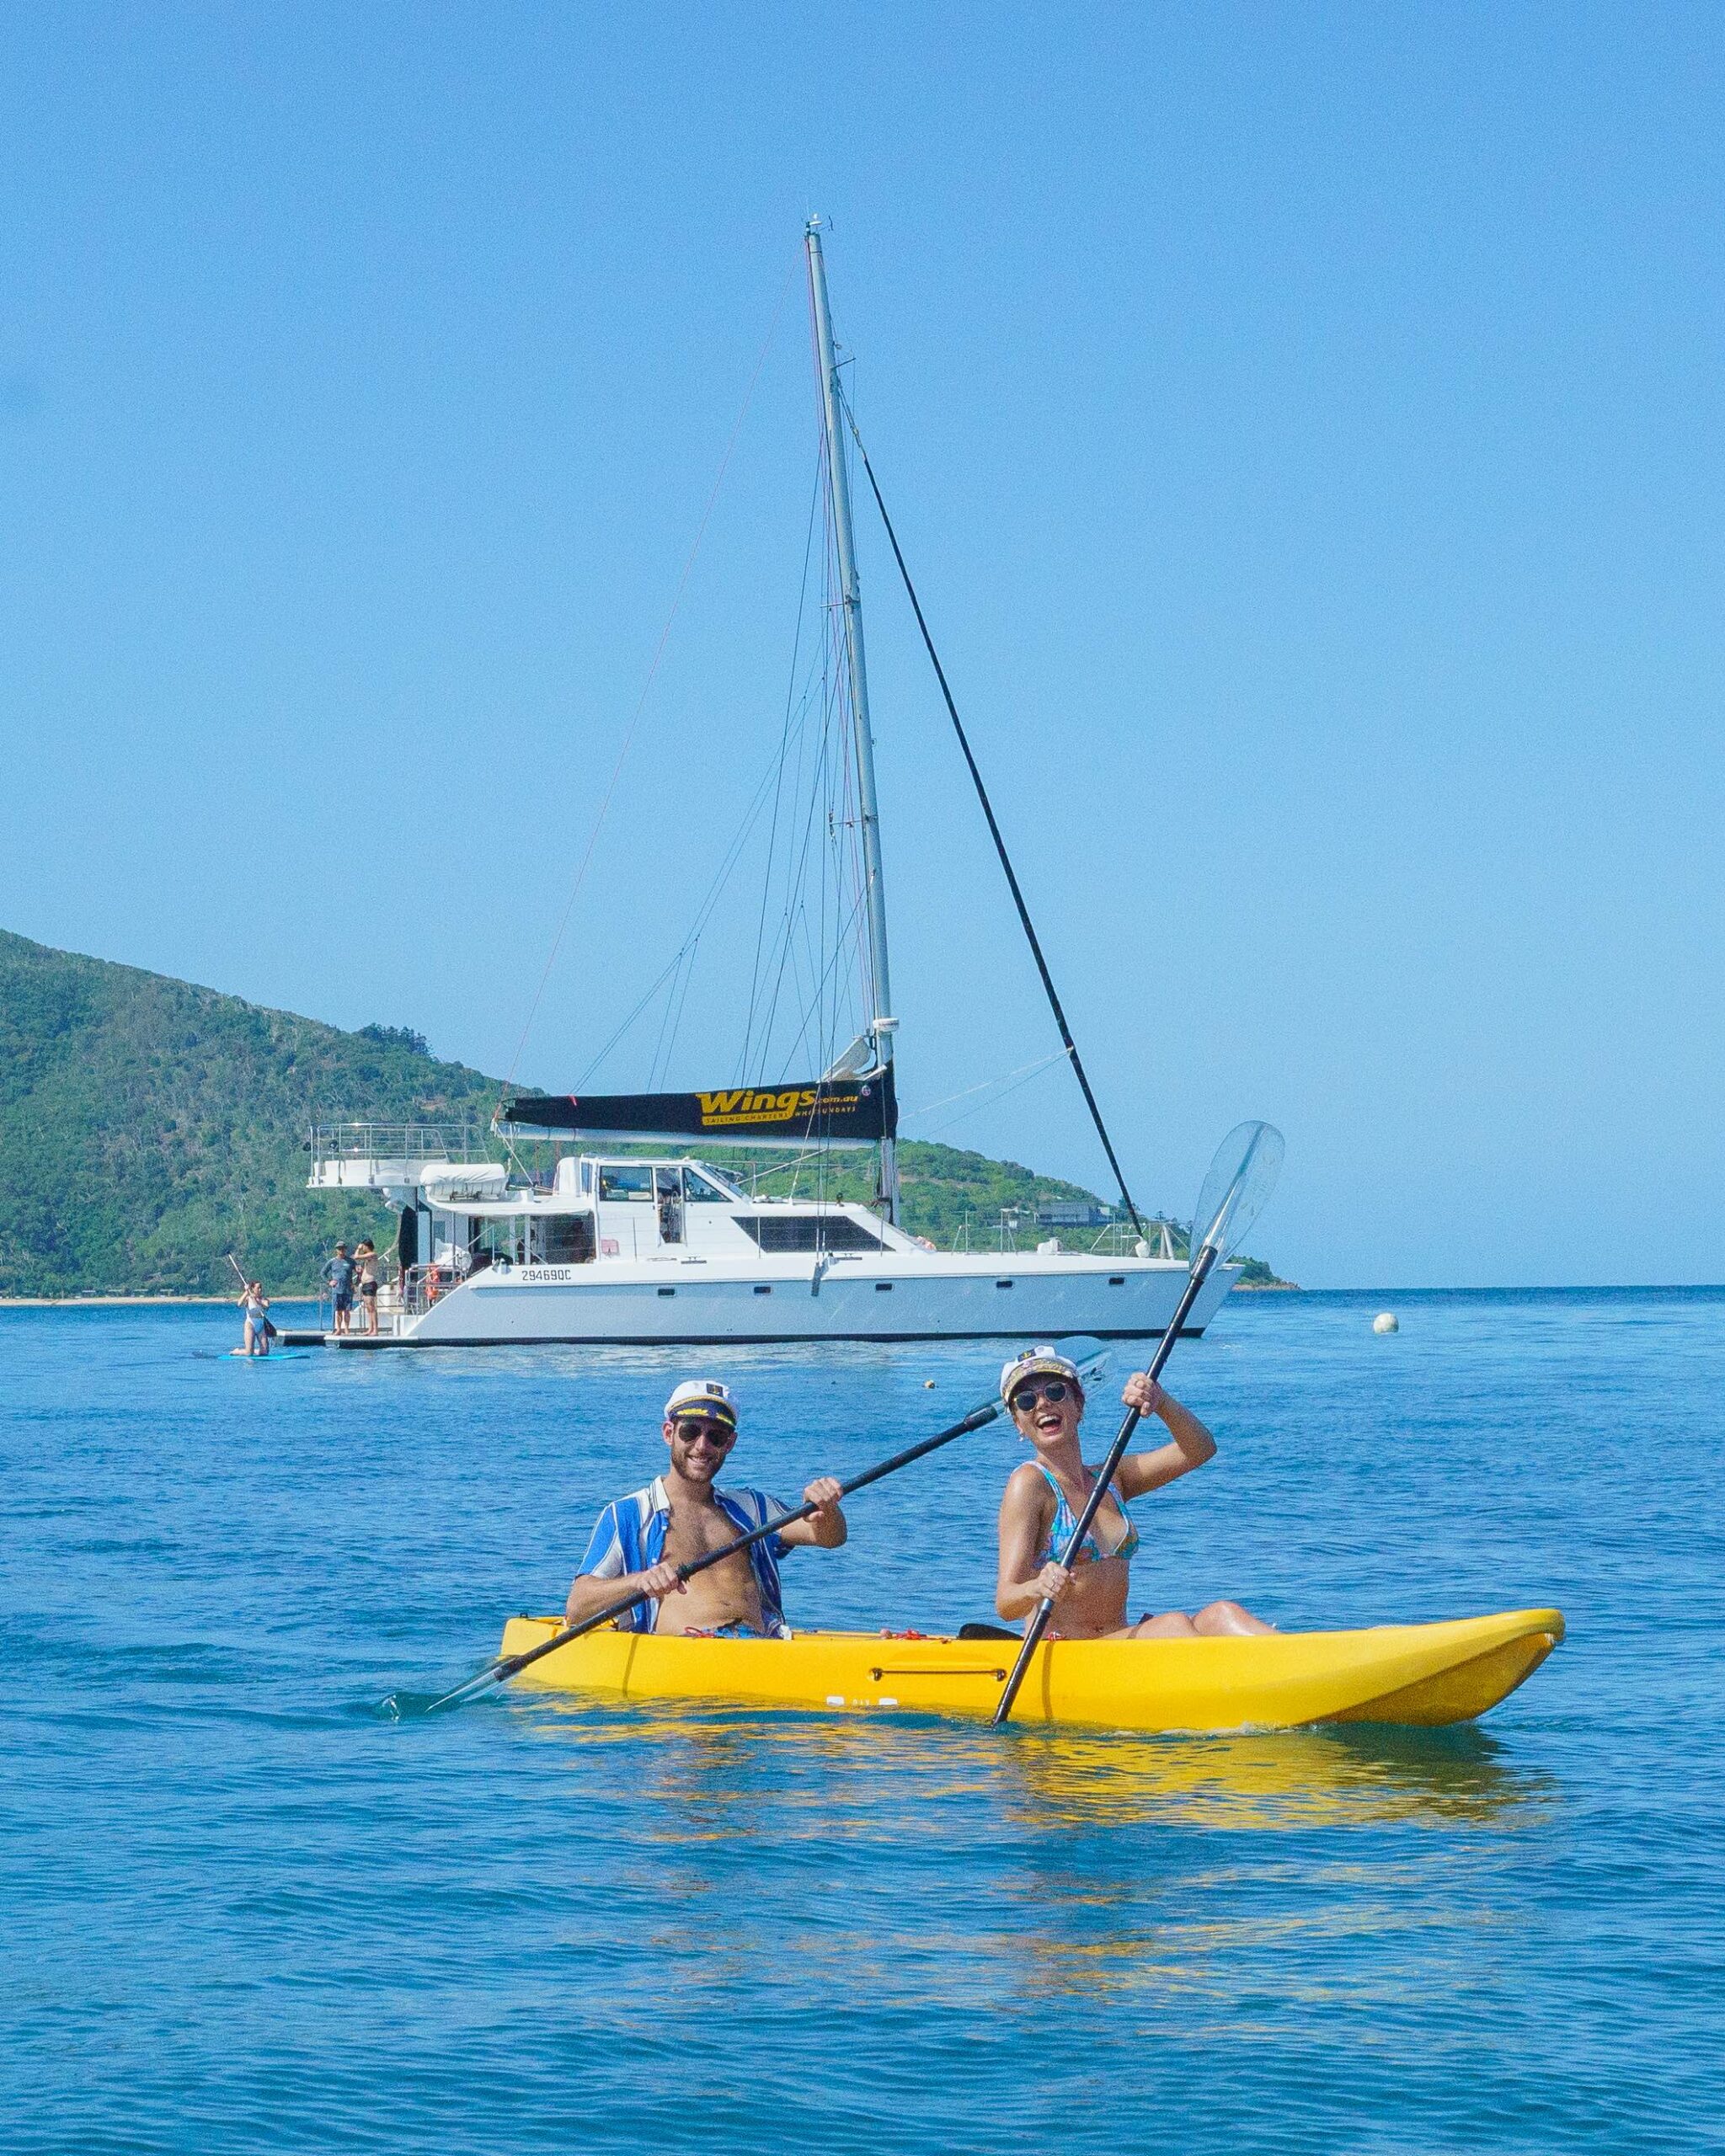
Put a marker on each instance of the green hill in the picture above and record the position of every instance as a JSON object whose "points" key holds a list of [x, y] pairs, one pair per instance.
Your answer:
{"points": [[148, 1127]]}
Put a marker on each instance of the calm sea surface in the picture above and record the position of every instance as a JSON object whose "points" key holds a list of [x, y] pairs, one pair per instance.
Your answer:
{"points": [[241, 1910]]}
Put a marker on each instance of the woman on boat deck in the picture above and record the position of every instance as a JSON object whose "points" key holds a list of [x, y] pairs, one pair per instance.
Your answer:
{"points": [[1044, 1496]]}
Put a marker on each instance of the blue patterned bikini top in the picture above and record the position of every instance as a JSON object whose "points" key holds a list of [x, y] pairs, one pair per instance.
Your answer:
{"points": [[1060, 1532]]}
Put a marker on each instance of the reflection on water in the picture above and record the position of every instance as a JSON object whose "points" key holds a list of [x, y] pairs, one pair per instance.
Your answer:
{"points": [[712, 1770], [1280, 1779], [1033, 1866]]}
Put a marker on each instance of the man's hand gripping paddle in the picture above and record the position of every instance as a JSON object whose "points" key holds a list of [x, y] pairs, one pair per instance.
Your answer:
{"points": [[1241, 1179], [509, 1666]]}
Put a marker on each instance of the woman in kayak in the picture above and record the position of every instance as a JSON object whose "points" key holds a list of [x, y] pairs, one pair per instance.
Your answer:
{"points": [[1044, 1496]]}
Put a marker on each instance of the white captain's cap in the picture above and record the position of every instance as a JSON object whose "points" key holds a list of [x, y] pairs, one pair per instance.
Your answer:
{"points": [[705, 1397], [1038, 1362]]}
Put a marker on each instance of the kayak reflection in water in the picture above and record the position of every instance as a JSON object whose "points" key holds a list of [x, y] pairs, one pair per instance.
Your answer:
{"points": [[641, 1540], [1045, 1496]]}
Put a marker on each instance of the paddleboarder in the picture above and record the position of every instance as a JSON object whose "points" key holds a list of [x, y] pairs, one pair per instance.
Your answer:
{"points": [[639, 1541], [256, 1305], [1044, 1496]]}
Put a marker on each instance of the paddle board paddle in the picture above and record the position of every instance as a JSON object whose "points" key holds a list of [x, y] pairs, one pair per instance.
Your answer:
{"points": [[508, 1666], [1241, 1179]]}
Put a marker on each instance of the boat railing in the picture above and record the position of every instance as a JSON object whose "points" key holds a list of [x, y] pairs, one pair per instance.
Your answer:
{"points": [[1017, 1225], [1120, 1239], [420, 1286], [460, 1142], [371, 1155]]}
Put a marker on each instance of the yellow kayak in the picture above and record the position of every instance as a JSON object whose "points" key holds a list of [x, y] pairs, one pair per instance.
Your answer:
{"points": [[1408, 1673]]}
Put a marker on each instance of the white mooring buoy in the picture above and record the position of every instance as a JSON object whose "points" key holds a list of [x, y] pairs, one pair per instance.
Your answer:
{"points": [[1386, 1321]]}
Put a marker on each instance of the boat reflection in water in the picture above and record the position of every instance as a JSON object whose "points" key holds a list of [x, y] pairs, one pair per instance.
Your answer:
{"points": [[957, 1877], [1364, 1775], [710, 1772]]}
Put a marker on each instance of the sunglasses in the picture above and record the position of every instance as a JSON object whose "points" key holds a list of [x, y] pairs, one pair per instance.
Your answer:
{"points": [[1025, 1399], [691, 1427]]}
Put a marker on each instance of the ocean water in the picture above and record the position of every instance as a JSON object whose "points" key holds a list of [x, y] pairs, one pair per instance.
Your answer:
{"points": [[242, 1910]]}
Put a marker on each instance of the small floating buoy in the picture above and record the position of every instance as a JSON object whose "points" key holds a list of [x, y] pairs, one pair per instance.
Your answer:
{"points": [[1386, 1321], [928, 1384]]}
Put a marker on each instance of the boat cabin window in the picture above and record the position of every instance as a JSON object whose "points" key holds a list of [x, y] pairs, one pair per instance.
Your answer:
{"points": [[586, 1178], [701, 1190], [626, 1182], [564, 1238], [808, 1232], [503, 1238]]}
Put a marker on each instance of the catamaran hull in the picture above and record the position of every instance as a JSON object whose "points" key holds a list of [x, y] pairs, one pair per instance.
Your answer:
{"points": [[1422, 1675], [651, 1304]]}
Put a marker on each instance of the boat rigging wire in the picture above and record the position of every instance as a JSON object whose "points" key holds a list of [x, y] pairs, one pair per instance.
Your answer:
{"points": [[1008, 1085], [1024, 1070], [827, 1044], [722, 875], [647, 686], [778, 790], [829, 779], [999, 844]]}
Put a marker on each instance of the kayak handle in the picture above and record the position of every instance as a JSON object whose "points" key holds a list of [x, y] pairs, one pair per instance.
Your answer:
{"points": [[935, 1669]]}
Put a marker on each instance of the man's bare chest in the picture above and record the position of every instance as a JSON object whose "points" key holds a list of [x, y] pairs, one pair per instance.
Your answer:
{"points": [[695, 1530]]}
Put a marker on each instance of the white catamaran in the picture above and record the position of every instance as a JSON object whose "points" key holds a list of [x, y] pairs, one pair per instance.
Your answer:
{"points": [[610, 1246]]}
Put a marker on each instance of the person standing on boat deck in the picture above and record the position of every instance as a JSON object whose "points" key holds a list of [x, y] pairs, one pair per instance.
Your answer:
{"points": [[256, 1305], [365, 1264], [641, 1540], [339, 1274], [1044, 1496]]}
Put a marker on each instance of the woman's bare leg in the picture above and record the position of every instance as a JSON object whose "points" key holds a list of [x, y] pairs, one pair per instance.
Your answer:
{"points": [[1228, 1620], [1171, 1625]]}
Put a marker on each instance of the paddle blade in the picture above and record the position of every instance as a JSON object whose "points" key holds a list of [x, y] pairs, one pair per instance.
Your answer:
{"points": [[1090, 1354], [1238, 1188]]}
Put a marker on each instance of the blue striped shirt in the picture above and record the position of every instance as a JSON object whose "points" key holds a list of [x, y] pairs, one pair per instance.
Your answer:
{"points": [[629, 1537]]}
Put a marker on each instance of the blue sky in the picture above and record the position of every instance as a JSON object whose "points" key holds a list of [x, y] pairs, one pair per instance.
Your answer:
{"points": [[1304, 424]]}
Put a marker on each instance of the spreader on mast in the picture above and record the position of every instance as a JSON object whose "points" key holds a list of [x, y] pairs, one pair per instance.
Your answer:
{"points": [[882, 1023]]}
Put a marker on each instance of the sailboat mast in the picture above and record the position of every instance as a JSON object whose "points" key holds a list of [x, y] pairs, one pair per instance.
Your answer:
{"points": [[882, 1024]]}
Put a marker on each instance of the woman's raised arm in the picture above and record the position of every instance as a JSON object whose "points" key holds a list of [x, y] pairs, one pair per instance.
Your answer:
{"points": [[1189, 1446]]}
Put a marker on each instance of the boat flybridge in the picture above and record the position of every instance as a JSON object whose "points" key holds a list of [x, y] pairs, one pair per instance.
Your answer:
{"points": [[650, 1242]]}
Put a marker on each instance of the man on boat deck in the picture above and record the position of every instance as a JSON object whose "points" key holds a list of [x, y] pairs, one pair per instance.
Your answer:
{"points": [[641, 1540]]}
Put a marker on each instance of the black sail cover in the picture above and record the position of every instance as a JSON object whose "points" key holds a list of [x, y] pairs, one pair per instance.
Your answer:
{"points": [[820, 1112]]}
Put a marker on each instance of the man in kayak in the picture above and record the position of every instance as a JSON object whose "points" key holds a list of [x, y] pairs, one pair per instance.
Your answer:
{"points": [[1044, 1496], [641, 1540]]}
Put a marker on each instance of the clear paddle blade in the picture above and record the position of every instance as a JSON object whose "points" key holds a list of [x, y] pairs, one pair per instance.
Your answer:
{"points": [[1238, 1188], [1088, 1352]]}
